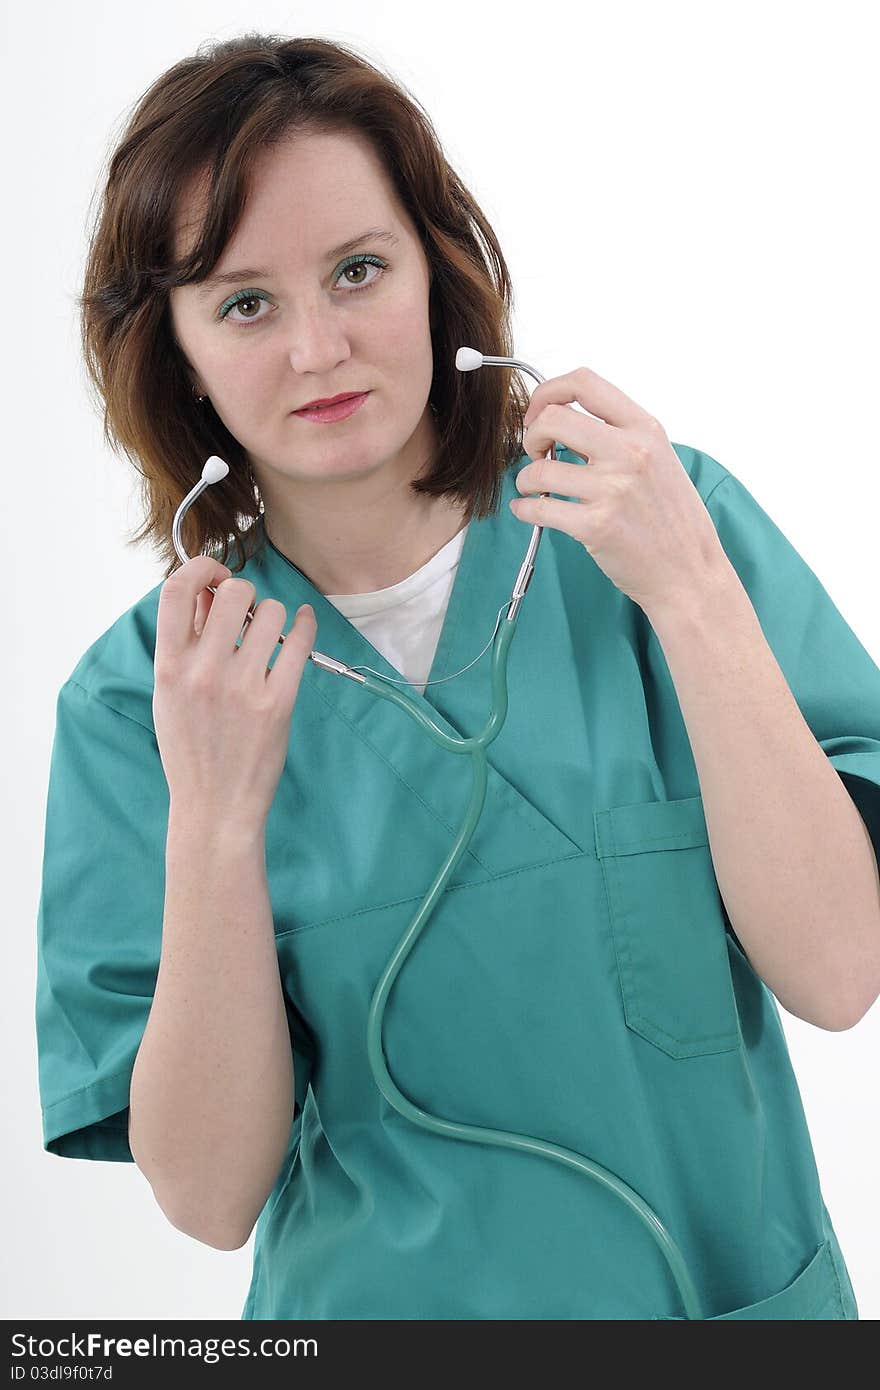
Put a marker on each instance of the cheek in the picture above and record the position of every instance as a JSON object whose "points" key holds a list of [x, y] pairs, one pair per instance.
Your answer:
{"points": [[246, 379], [405, 331]]}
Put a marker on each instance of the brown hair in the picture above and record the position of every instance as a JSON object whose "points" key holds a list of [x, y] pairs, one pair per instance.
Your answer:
{"points": [[218, 110]]}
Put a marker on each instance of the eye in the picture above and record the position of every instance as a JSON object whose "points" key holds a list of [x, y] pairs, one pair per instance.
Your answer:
{"points": [[250, 296], [246, 297]]}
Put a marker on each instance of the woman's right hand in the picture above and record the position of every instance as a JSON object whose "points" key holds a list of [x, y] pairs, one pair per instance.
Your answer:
{"points": [[222, 717]]}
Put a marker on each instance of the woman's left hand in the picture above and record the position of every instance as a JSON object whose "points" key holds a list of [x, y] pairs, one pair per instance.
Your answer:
{"points": [[638, 514]]}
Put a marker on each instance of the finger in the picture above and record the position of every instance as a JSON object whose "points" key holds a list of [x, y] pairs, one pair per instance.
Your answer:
{"points": [[550, 511], [600, 397], [259, 636], [552, 475], [178, 601], [296, 648], [227, 616], [203, 608], [581, 434]]}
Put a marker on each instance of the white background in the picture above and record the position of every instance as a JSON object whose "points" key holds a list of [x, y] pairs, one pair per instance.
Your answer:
{"points": [[686, 197]]}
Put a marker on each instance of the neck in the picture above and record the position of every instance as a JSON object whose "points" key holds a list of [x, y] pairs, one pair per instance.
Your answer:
{"points": [[376, 561], [356, 532]]}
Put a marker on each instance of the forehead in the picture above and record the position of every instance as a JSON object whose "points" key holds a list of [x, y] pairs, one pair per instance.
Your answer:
{"points": [[311, 188]]}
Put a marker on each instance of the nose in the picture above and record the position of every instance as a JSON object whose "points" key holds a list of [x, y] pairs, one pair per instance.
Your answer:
{"points": [[318, 341]]}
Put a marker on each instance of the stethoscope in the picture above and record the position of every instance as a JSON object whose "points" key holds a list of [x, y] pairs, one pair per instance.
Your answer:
{"points": [[466, 360]]}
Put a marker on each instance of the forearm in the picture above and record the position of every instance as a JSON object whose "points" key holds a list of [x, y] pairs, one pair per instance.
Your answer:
{"points": [[212, 1093], [794, 862]]}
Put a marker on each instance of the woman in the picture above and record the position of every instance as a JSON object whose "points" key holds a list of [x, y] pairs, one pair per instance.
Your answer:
{"points": [[580, 980]]}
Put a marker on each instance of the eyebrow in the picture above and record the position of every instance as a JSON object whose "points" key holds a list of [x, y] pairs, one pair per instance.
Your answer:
{"points": [[229, 277]]}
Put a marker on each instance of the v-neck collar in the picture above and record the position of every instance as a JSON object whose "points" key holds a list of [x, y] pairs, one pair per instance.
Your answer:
{"points": [[348, 642], [512, 830]]}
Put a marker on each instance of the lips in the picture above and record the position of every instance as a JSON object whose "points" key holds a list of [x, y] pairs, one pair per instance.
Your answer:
{"points": [[331, 400], [330, 414]]}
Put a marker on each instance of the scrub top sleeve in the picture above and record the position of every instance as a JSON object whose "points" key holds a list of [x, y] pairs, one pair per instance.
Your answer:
{"points": [[99, 925], [834, 680]]}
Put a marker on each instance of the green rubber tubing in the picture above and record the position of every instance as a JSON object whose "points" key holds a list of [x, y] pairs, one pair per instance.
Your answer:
{"points": [[452, 1129]]}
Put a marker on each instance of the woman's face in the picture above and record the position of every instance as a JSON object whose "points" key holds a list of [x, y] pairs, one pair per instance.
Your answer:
{"points": [[300, 327]]}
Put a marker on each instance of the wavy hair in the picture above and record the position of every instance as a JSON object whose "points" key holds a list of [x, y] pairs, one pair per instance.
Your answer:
{"points": [[216, 111]]}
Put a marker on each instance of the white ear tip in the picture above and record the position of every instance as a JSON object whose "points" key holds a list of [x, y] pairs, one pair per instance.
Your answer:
{"points": [[214, 469], [467, 358]]}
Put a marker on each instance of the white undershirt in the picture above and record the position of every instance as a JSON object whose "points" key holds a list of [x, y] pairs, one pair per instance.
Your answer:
{"points": [[404, 621]]}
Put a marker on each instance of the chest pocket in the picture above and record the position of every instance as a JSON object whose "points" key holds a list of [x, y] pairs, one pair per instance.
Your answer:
{"points": [[668, 924]]}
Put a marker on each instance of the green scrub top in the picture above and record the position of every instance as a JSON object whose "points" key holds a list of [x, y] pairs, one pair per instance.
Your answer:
{"points": [[579, 981]]}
